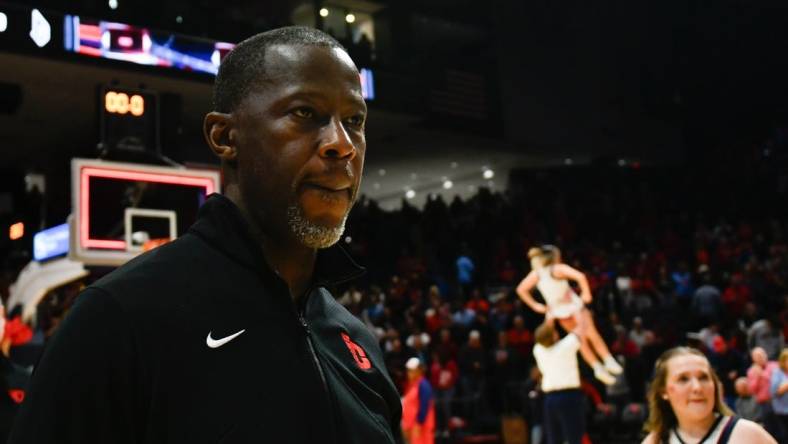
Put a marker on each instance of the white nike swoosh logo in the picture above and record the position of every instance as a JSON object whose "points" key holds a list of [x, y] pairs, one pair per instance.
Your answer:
{"points": [[216, 343]]}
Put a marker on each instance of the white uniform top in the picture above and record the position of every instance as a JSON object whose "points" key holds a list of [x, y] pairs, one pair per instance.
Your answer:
{"points": [[711, 438], [558, 364], [561, 300]]}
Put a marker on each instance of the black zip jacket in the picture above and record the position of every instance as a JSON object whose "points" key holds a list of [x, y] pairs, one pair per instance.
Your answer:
{"points": [[152, 353]]}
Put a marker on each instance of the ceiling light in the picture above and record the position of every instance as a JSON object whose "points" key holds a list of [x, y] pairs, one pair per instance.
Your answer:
{"points": [[447, 184], [410, 194], [323, 12], [350, 18], [488, 174]]}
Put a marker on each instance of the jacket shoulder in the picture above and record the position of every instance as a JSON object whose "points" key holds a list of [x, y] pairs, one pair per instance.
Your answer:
{"points": [[166, 277]]}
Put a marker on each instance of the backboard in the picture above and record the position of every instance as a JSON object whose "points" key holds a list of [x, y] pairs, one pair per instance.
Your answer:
{"points": [[118, 209]]}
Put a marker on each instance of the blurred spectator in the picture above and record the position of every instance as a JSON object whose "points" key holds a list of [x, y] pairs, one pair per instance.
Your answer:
{"points": [[779, 393], [706, 301], [419, 343], [505, 370], [473, 368], [373, 313], [759, 383], [350, 297], [478, 304], [736, 296], [396, 358], [418, 406], [465, 270], [728, 364], [767, 334], [682, 283], [463, 316], [745, 404], [623, 345], [443, 376], [446, 345], [638, 334], [520, 338]]}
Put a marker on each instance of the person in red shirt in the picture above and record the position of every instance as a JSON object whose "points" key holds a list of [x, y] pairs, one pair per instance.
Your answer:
{"points": [[736, 295], [623, 345], [758, 380], [443, 377], [520, 338], [477, 303], [418, 406], [446, 345]]}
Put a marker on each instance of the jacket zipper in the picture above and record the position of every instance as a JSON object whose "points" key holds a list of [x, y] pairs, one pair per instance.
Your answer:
{"points": [[301, 314], [308, 332]]}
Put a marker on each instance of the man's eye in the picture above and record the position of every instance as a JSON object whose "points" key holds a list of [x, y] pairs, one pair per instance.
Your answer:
{"points": [[304, 112], [355, 120]]}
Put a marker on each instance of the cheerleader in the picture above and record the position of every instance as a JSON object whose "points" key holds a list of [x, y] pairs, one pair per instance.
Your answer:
{"points": [[552, 278]]}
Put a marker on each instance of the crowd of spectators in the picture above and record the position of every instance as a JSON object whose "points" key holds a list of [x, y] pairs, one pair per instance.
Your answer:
{"points": [[672, 257]]}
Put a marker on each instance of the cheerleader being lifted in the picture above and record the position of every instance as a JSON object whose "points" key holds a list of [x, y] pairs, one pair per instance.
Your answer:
{"points": [[552, 278]]}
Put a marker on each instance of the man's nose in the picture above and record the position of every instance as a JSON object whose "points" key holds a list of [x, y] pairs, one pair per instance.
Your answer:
{"points": [[336, 142]]}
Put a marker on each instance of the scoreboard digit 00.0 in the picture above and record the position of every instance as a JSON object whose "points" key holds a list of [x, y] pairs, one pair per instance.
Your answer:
{"points": [[129, 119]]}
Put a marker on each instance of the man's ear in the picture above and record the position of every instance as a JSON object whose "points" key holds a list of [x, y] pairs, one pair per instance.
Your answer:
{"points": [[220, 135]]}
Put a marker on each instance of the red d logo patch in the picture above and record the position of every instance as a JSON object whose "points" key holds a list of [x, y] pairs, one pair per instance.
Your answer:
{"points": [[359, 355]]}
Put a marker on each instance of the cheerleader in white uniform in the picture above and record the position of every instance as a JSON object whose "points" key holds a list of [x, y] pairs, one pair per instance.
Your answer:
{"points": [[552, 277]]}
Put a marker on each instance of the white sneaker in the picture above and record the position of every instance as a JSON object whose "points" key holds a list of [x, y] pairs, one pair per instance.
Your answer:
{"points": [[612, 366], [602, 374]]}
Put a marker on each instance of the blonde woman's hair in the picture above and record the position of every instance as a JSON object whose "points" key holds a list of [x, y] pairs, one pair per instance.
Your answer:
{"points": [[783, 358], [661, 418], [544, 256]]}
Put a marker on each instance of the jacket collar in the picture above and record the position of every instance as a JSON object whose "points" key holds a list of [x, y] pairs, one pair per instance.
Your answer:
{"points": [[221, 224]]}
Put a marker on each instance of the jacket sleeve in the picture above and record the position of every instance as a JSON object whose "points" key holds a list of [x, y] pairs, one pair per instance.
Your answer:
{"points": [[84, 388]]}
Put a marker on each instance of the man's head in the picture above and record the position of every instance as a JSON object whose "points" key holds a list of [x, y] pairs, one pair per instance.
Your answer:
{"points": [[415, 368], [545, 334], [288, 126], [742, 389], [759, 356], [474, 339]]}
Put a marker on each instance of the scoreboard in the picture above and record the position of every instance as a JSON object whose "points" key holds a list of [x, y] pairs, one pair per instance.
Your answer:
{"points": [[129, 119]]}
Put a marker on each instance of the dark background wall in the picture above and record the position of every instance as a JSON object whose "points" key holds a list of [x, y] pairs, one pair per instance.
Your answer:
{"points": [[650, 79]]}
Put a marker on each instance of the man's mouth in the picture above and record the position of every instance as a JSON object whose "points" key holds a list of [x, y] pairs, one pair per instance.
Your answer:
{"points": [[329, 192]]}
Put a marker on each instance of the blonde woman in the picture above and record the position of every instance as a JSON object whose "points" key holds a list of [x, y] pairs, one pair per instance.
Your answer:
{"points": [[686, 405], [552, 278]]}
